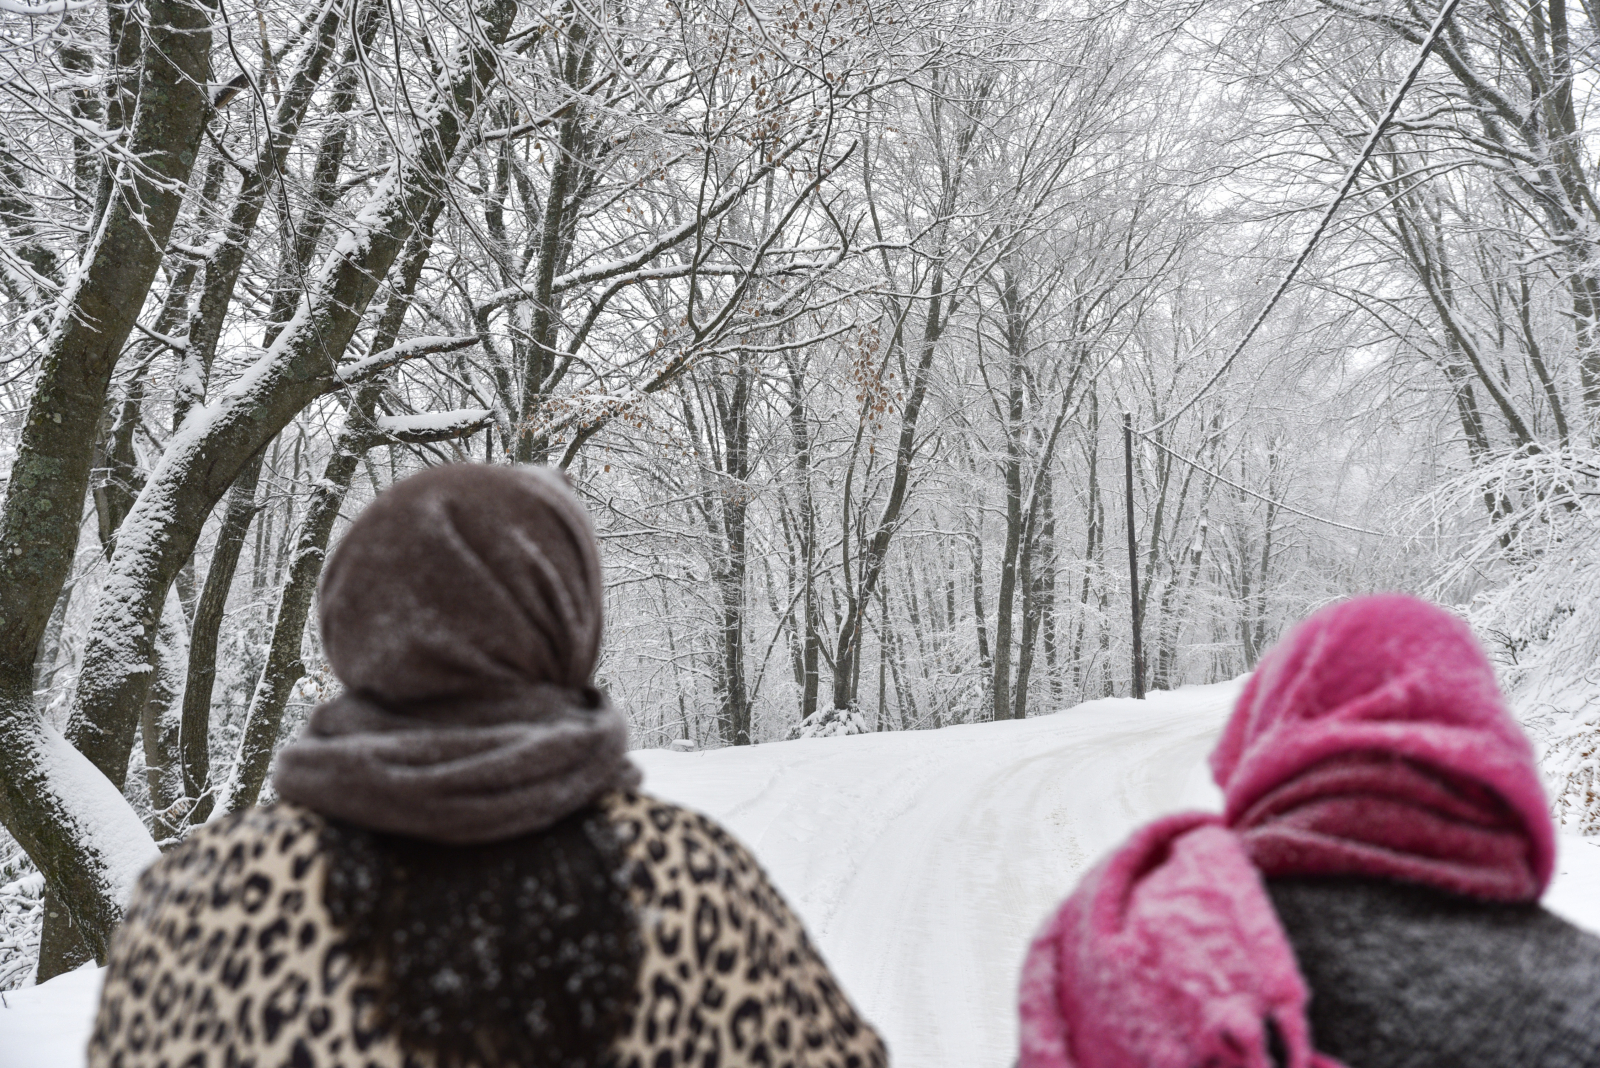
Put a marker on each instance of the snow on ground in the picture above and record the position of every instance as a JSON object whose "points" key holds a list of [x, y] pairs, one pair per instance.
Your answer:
{"points": [[47, 1026], [922, 862]]}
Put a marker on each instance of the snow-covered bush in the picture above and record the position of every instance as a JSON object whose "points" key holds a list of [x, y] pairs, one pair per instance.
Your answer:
{"points": [[1540, 617], [21, 914], [831, 723]]}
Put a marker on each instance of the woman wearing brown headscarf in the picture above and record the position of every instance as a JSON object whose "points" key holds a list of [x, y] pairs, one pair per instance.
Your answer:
{"points": [[460, 871]]}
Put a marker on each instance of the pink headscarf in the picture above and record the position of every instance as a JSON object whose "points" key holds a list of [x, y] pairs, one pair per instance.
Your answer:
{"points": [[1373, 740]]}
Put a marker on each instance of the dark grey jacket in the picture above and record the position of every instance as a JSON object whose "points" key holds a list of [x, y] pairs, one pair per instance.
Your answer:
{"points": [[1404, 976]]}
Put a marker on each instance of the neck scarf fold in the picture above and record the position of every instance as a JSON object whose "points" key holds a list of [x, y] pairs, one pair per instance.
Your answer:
{"points": [[495, 770], [1372, 741]]}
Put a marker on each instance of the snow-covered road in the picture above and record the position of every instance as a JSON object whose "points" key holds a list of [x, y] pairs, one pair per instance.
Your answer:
{"points": [[922, 862]]}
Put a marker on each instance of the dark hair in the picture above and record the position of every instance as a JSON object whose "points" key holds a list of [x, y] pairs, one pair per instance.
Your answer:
{"points": [[523, 952]]}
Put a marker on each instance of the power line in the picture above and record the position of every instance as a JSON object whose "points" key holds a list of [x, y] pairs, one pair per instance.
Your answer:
{"points": [[1261, 497], [1327, 216]]}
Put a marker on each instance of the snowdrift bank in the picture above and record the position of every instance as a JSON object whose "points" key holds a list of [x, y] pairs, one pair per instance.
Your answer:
{"points": [[922, 862]]}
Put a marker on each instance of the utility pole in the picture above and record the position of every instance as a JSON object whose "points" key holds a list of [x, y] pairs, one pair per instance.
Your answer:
{"points": [[1133, 557]]}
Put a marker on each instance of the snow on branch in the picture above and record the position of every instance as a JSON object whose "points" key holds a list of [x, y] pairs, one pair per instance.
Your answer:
{"points": [[522, 129], [56, 7], [429, 427], [104, 821], [359, 370]]}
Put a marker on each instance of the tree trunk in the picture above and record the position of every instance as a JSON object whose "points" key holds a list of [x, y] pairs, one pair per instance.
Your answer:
{"points": [[21, 223], [883, 652], [116, 476], [325, 191], [811, 642], [299, 367], [284, 667], [1047, 602], [159, 724], [981, 627], [736, 711], [1011, 470], [222, 271], [54, 821], [564, 173], [1091, 550], [1037, 559], [44, 667], [195, 733], [846, 654], [1184, 581]]}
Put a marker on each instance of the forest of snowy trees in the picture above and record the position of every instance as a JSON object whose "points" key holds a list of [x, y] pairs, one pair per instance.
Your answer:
{"points": [[833, 310]]}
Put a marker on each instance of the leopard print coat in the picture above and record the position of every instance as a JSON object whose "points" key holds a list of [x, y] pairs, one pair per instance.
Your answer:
{"points": [[226, 958]]}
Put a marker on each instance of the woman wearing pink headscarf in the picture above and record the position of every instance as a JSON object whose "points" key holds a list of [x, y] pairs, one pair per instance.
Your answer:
{"points": [[1369, 897]]}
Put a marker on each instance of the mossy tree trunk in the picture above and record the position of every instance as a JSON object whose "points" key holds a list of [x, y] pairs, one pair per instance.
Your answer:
{"points": [[300, 366], [45, 495]]}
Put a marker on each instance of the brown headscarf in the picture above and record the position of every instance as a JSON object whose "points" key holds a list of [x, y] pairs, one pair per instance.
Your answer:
{"points": [[462, 613]]}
